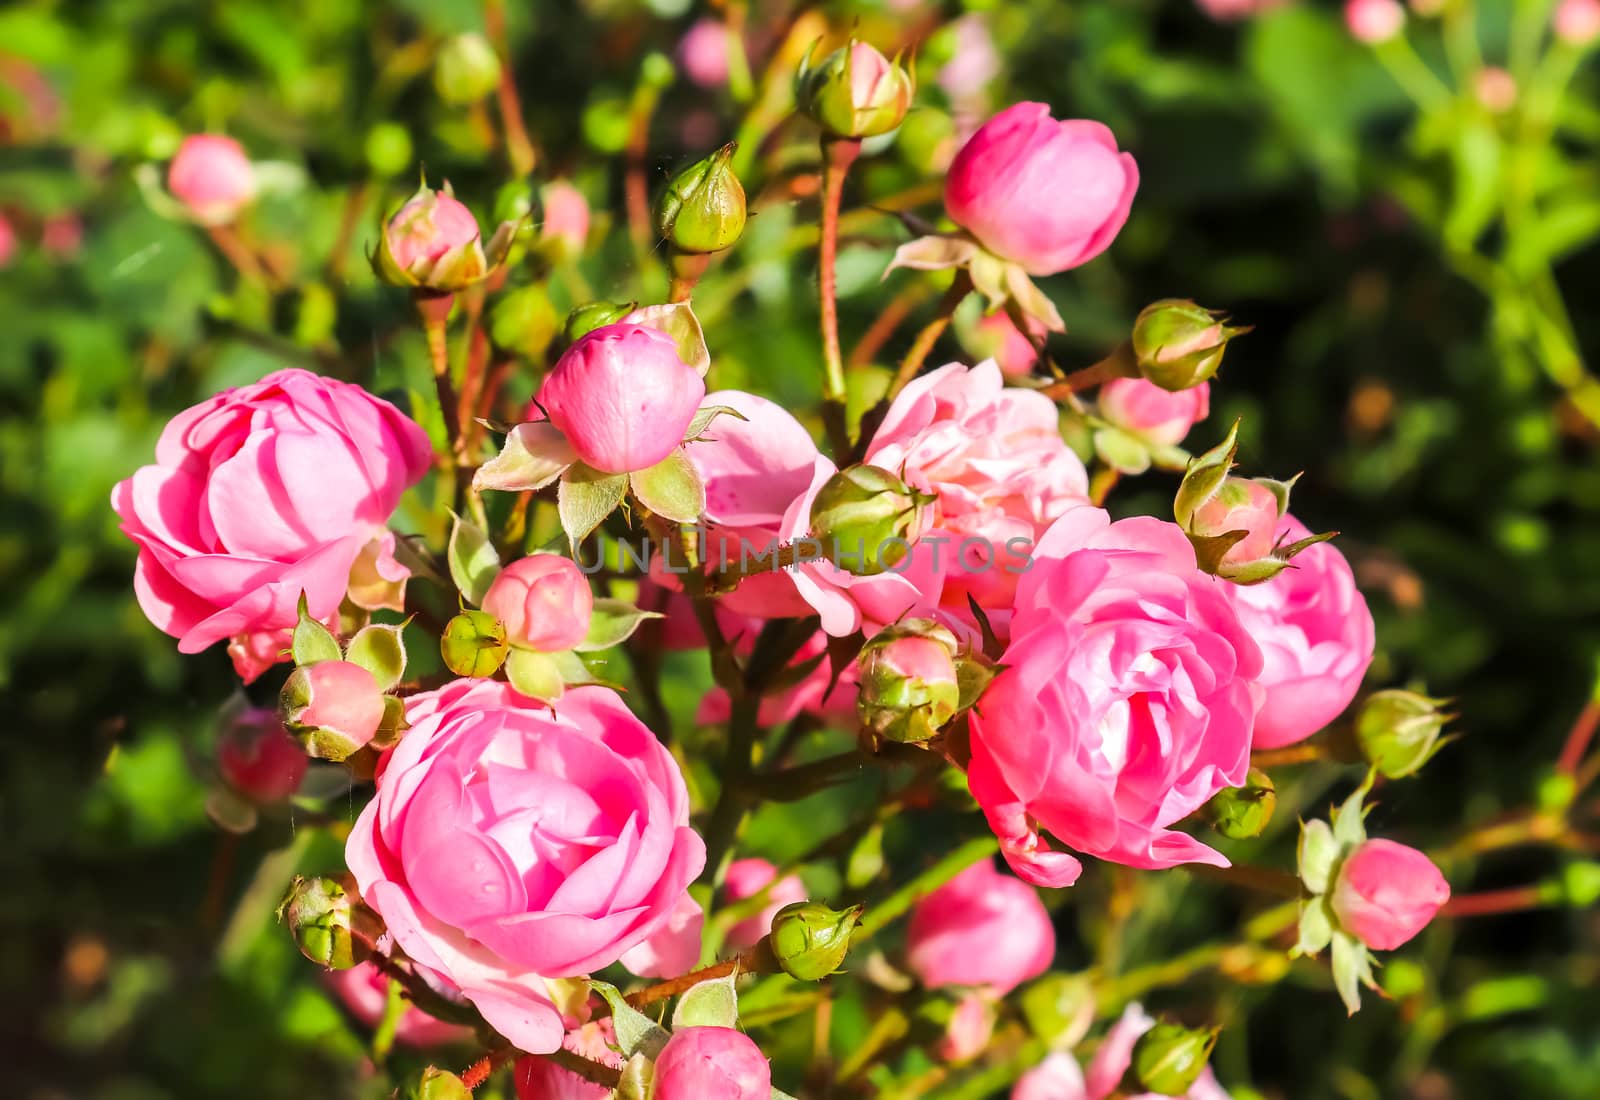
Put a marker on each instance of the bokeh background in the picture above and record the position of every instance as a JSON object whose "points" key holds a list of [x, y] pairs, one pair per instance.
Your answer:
{"points": [[1421, 285]]}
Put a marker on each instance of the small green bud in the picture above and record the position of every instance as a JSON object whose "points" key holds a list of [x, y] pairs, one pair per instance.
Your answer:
{"points": [[1242, 812], [810, 940], [1399, 731], [467, 69], [702, 208], [474, 644], [523, 321], [855, 92], [1059, 1008], [434, 1083], [586, 318], [329, 924], [388, 149], [866, 519], [909, 683], [1178, 344], [1168, 1058]]}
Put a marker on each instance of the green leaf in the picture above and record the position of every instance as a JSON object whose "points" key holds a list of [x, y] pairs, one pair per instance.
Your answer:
{"points": [[866, 858], [1204, 478], [534, 455], [934, 253], [677, 320], [1319, 851], [1352, 968], [474, 564], [1316, 927], [313, 642], [585, 498], [536, 675], [708, 1004], [671, 489], [636, 1032], [380, 650], [612, 623], [702, 419]]}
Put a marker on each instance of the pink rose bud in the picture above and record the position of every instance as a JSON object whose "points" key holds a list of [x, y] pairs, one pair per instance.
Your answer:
{"points": [[909, 686], [1577, 22], [1044, 194], [855, 92], [1374, 21], [622, 397], [969, 1029], [335, 706], [1386, 893], [702, 1062], [703, 53], [982, 928], [212, 177], [1496, 89], [746, 878], [259, 759], [1158, 416], [428, 228], [1240, 505], [544, 601], [996, 337], [566, 217]]}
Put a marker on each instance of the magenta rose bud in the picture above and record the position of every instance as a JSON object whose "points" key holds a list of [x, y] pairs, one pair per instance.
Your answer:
{"points": [[544, 601], [703, 53], [259, 759], [982, 928], [427, 228], [746, 878], [335, 706], [1386, 893], [1374, 21], [1044, 194], [1156, 415], [701, 1062], [212, 176], [622, 397], [1577, 22]]}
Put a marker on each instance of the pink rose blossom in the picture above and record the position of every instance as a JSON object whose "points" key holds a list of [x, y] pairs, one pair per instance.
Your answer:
{"points": [[1316, 637], [259, 759], [817, 692], [974, 61], [746, 878], [703, 53], [8, 242], [544, 600], [539, 1079], [511, 841], [364, 990], [1386, 893], [212, 176], [566, 216], [429, 227], [1577, 22], [1229, 10], [969, 1029], [996, 337], [259, 494], [345, 698], [1115, 1054], [701, 1062], [622, 397], [1159, 416], [1374, 21], [1045, 194], [1126, 702], [983, 928]]}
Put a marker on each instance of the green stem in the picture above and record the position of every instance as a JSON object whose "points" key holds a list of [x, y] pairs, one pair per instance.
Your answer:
{"points": [[1409, 71], [394, 1007]]}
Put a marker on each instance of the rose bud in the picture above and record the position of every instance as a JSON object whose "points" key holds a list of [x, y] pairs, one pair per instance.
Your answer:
{"points": [[1496, 89], [467, 69], [1044, 194], [1386, 893], [434, 1083], [702, 1062], [1169, 1058], [335, 707], [544, 601], [1109, 1069], [1399, 731], [566, 219], [1059, 1008], [1374, 21], [329, 924], [908, 681], [855, 93], [259, 759], [810, 940], [212, 176], [1243, 812], [969, 1029], [1239, 504], [702, 208], [622, 397], [866, 519], [1577, 22], [432, 244], [586, 318], [8, 242], [1179, 345], [474, 644], [745, 878], [982, 928], [1157, 416], [996, 336], [703, 53]]}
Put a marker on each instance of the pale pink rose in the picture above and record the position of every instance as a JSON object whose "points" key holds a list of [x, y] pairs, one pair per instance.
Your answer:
{"points": [[746, 878], [703, 53], [1056, 1078], [622, 397], [8, 242], [1374, 21], [1229, 10], [1126, 702], [817, 691], [984, 929], [259, 494], [511, 841], [1241, 505], [996, 337], [974, 63], [428, 228], [969, 1029], [344, 698], [364, 990], [1159, 416], [566, 216], [1044, 194], [701, 1062], [1115, 1054], [258, 758], [544, 600], [538, 1079], [212, 176], [1316, 637], [1577, 22], [1386, 893]]}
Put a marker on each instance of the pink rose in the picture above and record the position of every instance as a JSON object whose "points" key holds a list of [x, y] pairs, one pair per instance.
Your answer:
{"points": [[364, 990], [544, 600], [1044, 194], [428, 228], [259, 759], [983, 928], [1316, 637], [1386, 893], [974, 61], [257, 495], [996, 337], [512, 841], [1229, 10], [969, 1029], [1577, 22], [1374, 21], [1241, 504], [622, 397], [8, 242], [1152, 413], [745, 878], [342, 700], [703, 53], [539, 1079], [701, 1062], [212, 176], [566, 216], [1126, 702], [1115, 1054]]}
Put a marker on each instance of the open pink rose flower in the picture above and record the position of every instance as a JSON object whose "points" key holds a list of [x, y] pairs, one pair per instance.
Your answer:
{"points": [[1386, 893], [257, 495], [983, 929], [512, 841], [1316, 637], [364, 990], [1126, 702]]}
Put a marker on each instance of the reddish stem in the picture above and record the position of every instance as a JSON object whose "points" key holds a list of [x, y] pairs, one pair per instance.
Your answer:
{"points": [[1119, 364], [1512, 900], [1579, 738]]}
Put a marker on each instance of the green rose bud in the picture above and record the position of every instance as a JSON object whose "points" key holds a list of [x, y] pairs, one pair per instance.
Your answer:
{"points": [[855, 92], [586, 318], [1059, 1008], [434, 1083], [810, 940], [702, 208], [523, 321], [329, 924], [1399, 731], [1242, 812], [388, 149], [467, 69], [474, 644], [909, 683], [1178, 344], [866, 519], [1168, 1058]]}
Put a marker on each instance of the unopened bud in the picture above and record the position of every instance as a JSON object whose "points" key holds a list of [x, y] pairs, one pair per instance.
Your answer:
{"points": [[1060, 1009], [467, 69], [702, 208], [1169, 1058], [474, 644], [329, 924], [523, 321], [909, 686], [434, 1083], [586, 318], [1399, 731], [866, 519], [1242, 812], [810, 940], [1178, 344], [855, 92], [334, 707]]}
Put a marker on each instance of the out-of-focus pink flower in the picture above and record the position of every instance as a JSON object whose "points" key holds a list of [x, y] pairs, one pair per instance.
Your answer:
{"points": [[212, 176], [1152, 413], [1316, 637], [996, 337], [1577, 22], [622, 397], [30, 109], [969, 1029], [539, 1079], [544, 600], [364, 989], [701, 1062], [983, 928], [259, 494], [1044, 194], [703, 53], [748, 877], [974, 63], [566, 217], [61, 236], [1115, 1054], [1126, 702], [1230, 10], [1374, 21], [8, 242], [1496, 89], [1386, 893], [1056, 1078], [258, 758], [511, 841], [428, 228], [818, 692]]}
